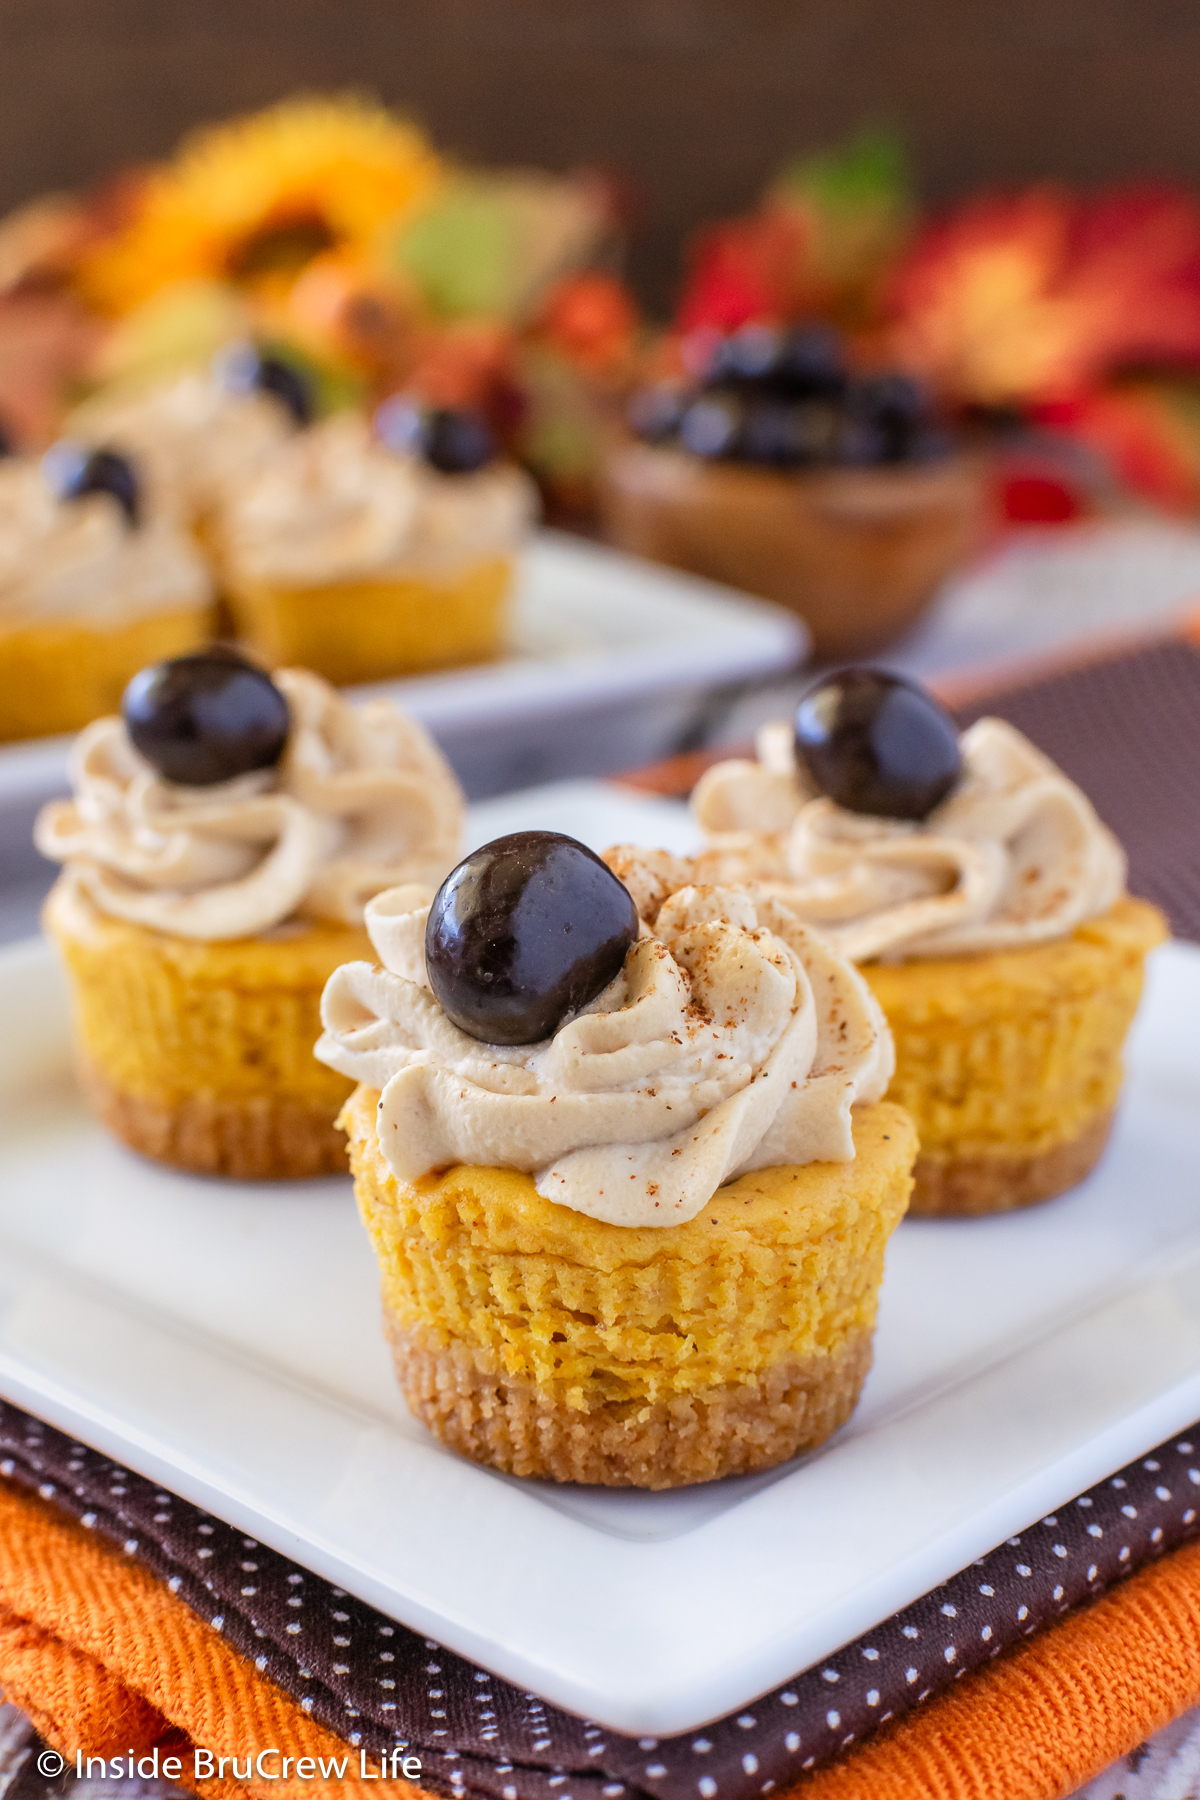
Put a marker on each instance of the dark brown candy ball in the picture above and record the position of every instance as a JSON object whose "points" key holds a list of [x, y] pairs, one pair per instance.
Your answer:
{"points": [[876, 743], [523, 933], [205, 718]]}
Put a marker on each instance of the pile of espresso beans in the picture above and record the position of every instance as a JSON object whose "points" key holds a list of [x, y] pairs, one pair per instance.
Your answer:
{"points": [[785, 398]]}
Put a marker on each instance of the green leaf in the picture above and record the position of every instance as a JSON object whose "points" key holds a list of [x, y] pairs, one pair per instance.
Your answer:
{"points": [[869, 169]]}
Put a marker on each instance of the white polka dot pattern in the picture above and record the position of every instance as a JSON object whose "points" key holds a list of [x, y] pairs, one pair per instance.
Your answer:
{"points": [[376, 1683]]}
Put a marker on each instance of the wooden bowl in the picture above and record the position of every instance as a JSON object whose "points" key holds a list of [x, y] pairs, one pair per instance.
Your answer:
{"points": [[858, 553]]}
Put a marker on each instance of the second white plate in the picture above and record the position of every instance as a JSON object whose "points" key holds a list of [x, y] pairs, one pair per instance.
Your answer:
{"points": [[222, 1338]]}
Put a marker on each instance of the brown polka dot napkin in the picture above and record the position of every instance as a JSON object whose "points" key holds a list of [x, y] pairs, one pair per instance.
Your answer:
{"points": [[375, 1683], [1127, 729]]}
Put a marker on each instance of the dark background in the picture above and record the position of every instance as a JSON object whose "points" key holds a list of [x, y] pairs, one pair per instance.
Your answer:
{"points": [[696, 101]]}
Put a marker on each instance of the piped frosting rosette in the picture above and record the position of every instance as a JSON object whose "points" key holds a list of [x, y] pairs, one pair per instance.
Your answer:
{"points": [[196, 440], [1014, 856], [733, 1039], [360, 800], [329, 504], [70, 559], [334, 504]]}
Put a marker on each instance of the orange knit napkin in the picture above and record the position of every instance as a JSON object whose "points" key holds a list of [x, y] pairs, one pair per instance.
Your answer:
{"points": [[106, 1660]]}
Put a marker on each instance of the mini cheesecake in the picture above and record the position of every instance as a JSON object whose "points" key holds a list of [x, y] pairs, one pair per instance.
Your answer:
{"points": [[985, 903], [224, 836], [362, 562], [96, 580], [630, 1191]]}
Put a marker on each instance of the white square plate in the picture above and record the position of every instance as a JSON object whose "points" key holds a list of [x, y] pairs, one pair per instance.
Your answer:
{"points": [[609, 657], [222, 1338]]}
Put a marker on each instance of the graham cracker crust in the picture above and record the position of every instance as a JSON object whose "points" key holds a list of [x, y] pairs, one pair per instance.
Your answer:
{"points": [[472, 1406], [972, 1186], [263, 1138]]}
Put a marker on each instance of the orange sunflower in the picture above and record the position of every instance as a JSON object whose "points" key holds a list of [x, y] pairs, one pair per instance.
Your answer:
{"points": [[254, 200]]}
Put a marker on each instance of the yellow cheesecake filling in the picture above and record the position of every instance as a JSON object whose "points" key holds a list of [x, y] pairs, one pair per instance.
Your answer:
{"points": [[1017, 1051], [163, 1018], [365, 630], [57, 675], [781, 1265]]}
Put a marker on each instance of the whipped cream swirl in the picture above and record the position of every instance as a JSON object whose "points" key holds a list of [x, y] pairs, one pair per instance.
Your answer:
{"points": [[1014, 856], [195, 440], [71, 559], [361, 799], [334, 504], [733, 1039]]}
